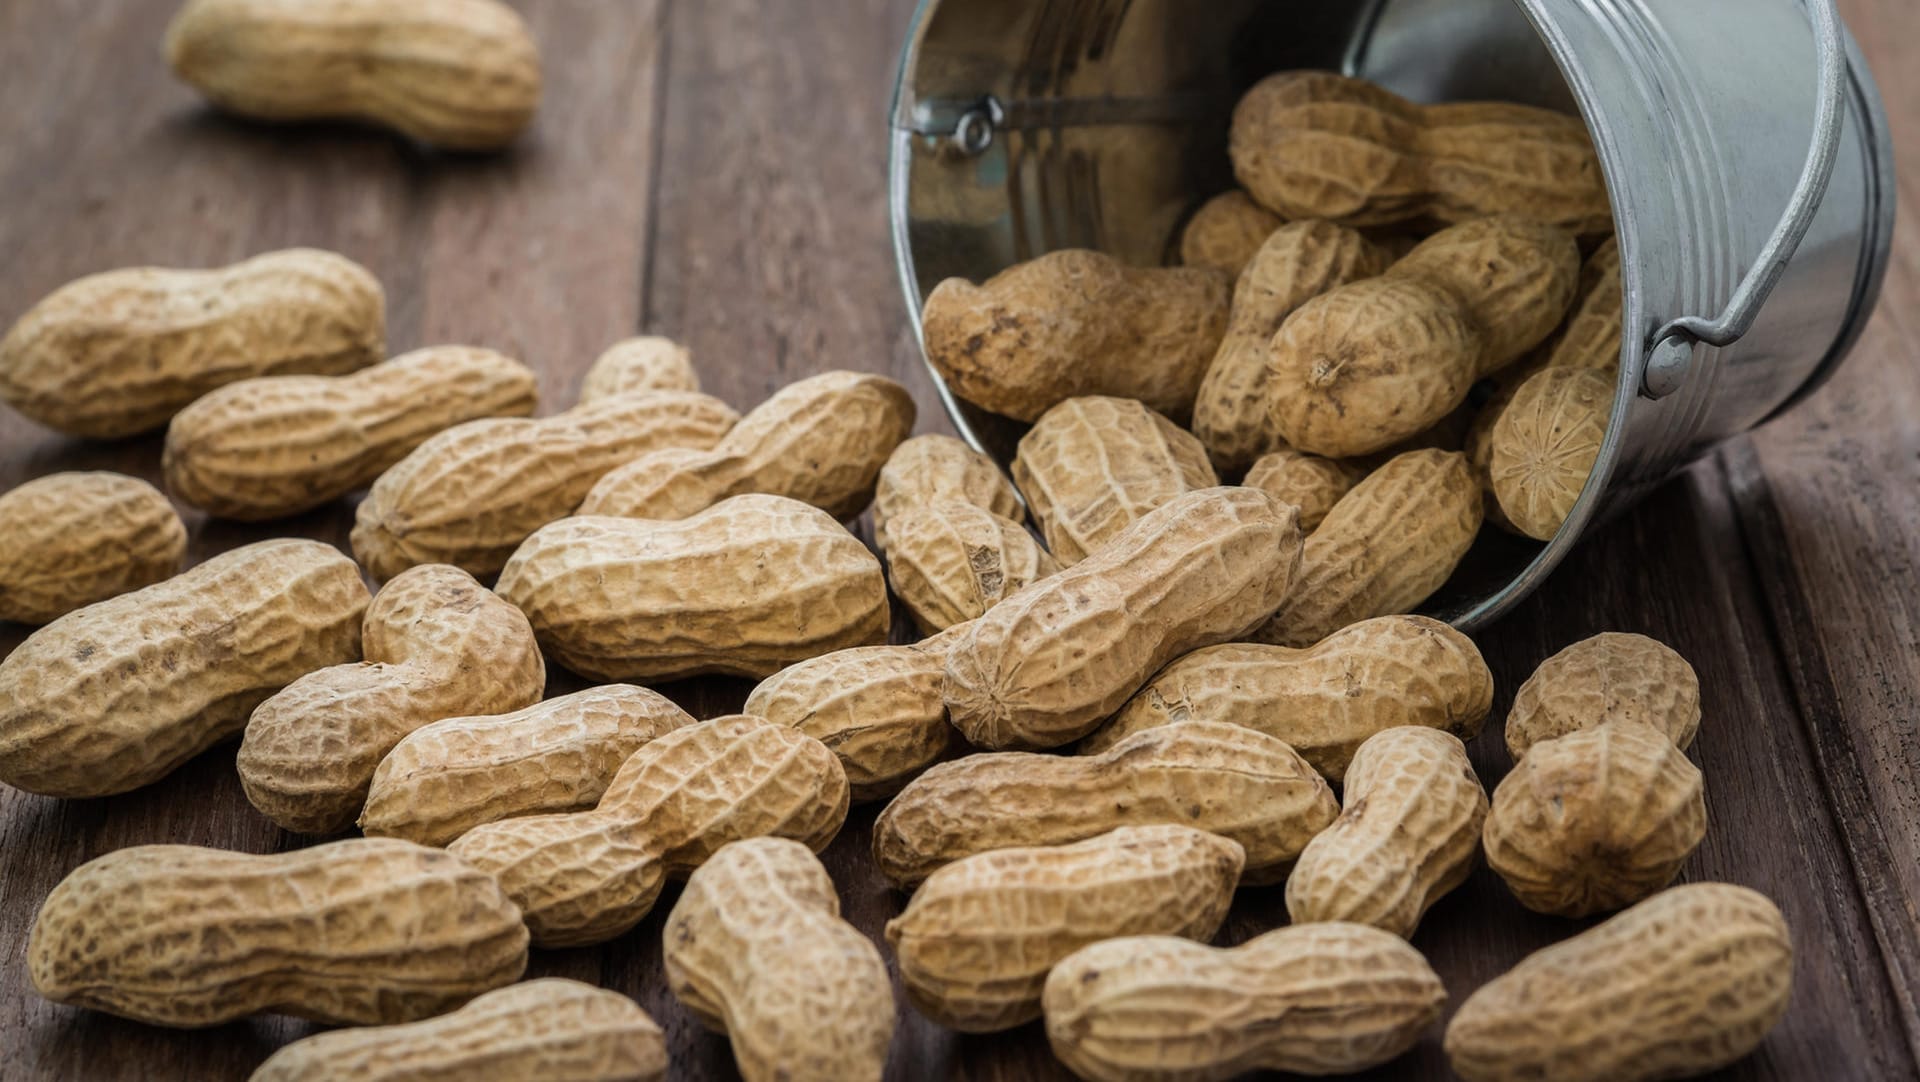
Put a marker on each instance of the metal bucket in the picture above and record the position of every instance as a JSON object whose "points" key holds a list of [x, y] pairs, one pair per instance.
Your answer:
{"points": [[1750, 263]]}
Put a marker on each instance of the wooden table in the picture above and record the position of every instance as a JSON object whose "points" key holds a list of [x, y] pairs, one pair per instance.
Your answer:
{"points": [[714, 171]]}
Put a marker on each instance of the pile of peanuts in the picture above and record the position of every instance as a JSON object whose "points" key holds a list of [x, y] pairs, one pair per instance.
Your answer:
{"points": [[1178, 688]]}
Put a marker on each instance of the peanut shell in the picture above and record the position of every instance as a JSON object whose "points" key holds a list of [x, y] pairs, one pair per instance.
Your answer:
{"points": [[1609, 677], [1544, 444], [1309, 482], [934, 469], [1320, 145], [878, 708], [1513, 277], [1225, 232], [74, 539], [951, 562], [638, 366]]}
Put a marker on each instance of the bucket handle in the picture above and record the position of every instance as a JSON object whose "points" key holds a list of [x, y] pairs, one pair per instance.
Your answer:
{"points": [[1670, 350]]}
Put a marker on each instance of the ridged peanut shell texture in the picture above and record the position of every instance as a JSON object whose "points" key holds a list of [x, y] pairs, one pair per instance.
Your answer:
{"points": [[1044, 667], [821, 441], [877, 708], [72, 539], [1074, 323], [266, 448], [1309, 482], [1407, 834], [1513, 277], [551, 1029], [1610, 677], [444, 779], [462, 74], [586, 877], [1545, 444], [756, 949], [934, 469], [744, 588], [951, 562], [639, 366], [118, 353], [1685, 982], [116, 695], [1595, 820], [360, 932], [1223, 779], [1325, 700], [1317, 999], [1225, 232], [977, 939], [470, 495], [437, 645], [1093, 466]]}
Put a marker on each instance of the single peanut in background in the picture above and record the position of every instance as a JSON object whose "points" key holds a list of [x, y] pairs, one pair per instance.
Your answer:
{"points": [[639, 366], [1318, 999], [950, 562], [1223, 779], [461, 74], [1514, 277], [1544, 445], [756, 949], [1309, 482], [977, 938], [1685, 982], [360, 932], [276, 446], [550, 1028], [1093, 466], [1225, 232], [821, 441], [117, 354], [934, 469], [877, 708], [73, 539], [114, 696], [1609, 677], [1074, 323]]}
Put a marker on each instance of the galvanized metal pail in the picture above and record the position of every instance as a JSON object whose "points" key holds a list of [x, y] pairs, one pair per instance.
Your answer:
{"points": [[1743, 141]]}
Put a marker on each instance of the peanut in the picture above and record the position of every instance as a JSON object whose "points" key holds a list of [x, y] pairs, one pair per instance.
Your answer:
{"points": [[1224, 779], [586, 877], [1544, 444], [552, 1029], [1595, 820], [1609, 677], [934, 469], [114, 696], [1225, 232], [1685, 982], [878, 708], [360, 932], [438, 645], [746, 587], [1074, 323], [470, 495], [951, 562], [462, 74], [1044, 667], [637, 366], [276, 446], [756, 949], [73, 539], [1309, 482], [820, 441], [1515, 279], [1408, 834], [117, 354], [1316, 999], [1093, 466], [444, 779], [976, 941]]}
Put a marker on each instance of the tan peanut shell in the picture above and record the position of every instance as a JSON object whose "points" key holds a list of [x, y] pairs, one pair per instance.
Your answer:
{"points": [[1685, 982], [1514, 278], [553, 1029], [1225, 232], [937, 469], [118, 353], [361, 932], [1408, 832], [745, 588], [639, 366], [951, 562], [270, 447], [1609, 677], [470, 495], [463, 74], [756, 949], [1044, 667], [437, 645], [1544, 444], [1488, 158], [73, 539], [586, 877], [1591, 337], [1093, 466], [1384, 548], [114, 696], [1074, 323], [444, 779], [1595, 820], [1309, 482], [1219, 778], [877, 708], [977, 938], [1296, 264], [821, 441]]}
